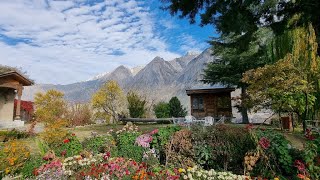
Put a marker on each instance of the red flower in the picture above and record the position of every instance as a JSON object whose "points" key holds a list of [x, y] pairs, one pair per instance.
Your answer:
{"points": [[73, 134], [66, 141], [35, 172], [64, 152], [249, 126], [300, 165], [106, 156], [309, 135], [264, 143]]}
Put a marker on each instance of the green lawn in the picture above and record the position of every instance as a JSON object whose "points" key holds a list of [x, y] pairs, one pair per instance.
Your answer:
{"points": [[85, 131]]}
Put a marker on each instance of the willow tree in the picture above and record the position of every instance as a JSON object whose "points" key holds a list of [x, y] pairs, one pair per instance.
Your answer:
{"points": [[291, 84]]}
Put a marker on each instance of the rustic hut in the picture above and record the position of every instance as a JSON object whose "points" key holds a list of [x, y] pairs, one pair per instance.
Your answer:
{"points": [[213, 102]]}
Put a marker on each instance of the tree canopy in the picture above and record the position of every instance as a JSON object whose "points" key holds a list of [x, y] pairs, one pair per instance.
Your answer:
{"points": [[111, 99]]}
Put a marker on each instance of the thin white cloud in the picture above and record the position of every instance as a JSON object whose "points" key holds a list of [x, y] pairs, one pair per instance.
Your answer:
{"points": [[67, 38]]}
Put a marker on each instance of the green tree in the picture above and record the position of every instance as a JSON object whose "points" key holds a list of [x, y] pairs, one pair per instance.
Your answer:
{"points": [[136, 105], [292, 83], [175, 108], [161, 110], [50, 106], [239, 23], [110, 99], [234, 62]]}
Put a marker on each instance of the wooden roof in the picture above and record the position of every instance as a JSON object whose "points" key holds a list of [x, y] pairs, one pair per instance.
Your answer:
{"points": [[18, 77], [208, 91]]}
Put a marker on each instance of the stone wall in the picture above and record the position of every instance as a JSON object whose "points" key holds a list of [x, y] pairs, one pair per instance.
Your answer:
{"points": [[6, 105]]}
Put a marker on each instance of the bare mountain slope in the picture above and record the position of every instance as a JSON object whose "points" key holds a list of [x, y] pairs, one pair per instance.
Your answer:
{"points": [[158, 80]]}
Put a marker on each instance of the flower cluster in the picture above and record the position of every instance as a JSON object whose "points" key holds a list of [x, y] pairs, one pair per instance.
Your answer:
{"points": [[53, 166], [309, 135], [196, 173], [144, 140], [13, 154], [128, 128], [72, 164], [149, 153], [264, 143]]}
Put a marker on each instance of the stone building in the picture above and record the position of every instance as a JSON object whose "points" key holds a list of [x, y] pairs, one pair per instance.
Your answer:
{"points": [[11, 87]]}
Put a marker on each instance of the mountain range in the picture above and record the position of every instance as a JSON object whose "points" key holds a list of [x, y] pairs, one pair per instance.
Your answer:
{"points": [[159, 80]]}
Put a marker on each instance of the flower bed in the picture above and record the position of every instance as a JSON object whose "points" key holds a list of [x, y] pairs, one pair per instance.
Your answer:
{"points": [[219, 152]]}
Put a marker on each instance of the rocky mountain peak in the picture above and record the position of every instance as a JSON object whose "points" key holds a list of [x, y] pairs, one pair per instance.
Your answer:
{"points": [[157, 59]]}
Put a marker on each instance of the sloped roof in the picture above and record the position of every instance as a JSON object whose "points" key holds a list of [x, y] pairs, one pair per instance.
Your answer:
{"points": [[18, 77], [208, 91]]}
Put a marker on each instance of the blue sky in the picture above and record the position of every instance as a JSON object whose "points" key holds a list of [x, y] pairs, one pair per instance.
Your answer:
{"points": [[66, 41]]}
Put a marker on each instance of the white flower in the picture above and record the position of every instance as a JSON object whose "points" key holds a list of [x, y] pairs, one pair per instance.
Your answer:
{"points": [[185, 177]]}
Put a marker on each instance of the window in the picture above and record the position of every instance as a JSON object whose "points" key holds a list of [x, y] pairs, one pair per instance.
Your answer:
{"points": [[197, 103]]}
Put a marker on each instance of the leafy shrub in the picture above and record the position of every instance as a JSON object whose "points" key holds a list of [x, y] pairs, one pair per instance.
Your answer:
{"points": [[221, 147], [100, 144], [278, 152], [13, 134], [179, 151], [311, 157], [160, 140], [136, 105], [175, 108], [127, 147], [161, 110], [70, 146], [30, 166], [54, 133], [13, 155]]}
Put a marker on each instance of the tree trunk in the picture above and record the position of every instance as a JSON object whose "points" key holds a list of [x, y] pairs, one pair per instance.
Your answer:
{"points": [[244, 110]]}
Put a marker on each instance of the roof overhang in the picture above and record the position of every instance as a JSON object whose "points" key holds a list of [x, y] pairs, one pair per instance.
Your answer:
{"points": [[18, 77], [209, 91]]}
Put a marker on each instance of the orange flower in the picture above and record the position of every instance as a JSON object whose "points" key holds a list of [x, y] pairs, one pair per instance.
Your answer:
{"points": [[301, 176]]}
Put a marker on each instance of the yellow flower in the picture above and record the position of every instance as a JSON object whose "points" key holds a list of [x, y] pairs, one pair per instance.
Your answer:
{"points": [[276, 178], [7, 170], [181, 170]]}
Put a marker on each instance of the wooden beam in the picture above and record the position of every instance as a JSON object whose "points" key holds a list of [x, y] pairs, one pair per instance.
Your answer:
{"points": [[148, 119]]}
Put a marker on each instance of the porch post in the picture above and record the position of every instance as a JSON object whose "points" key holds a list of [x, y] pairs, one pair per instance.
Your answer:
{"points": [[18, 109]]}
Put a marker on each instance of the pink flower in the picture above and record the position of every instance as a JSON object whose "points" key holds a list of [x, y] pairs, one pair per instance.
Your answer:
{"points": [[155, 131], [300, 165], [64, 152], [264, 143], [144, 140]]}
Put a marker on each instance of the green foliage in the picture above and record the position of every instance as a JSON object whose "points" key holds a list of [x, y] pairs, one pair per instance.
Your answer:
{"points": [[161, 110], [13, 134], [50, 106], [100, 144], [161, 139], [71, 146], [30, 165], [279, 157], [176, 109], [311, 157], [126, 143], [225, 147], [136, 105]]}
